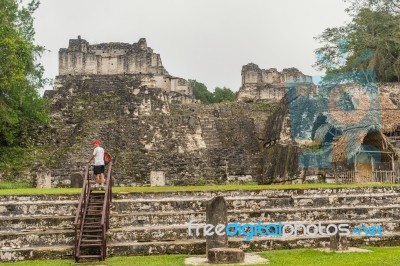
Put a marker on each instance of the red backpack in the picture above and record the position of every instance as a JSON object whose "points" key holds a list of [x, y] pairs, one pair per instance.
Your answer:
{"points": [[107, 157]]}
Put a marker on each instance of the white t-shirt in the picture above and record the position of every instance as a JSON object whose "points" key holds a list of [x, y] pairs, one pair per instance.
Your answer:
{"points": [[98, 156]]}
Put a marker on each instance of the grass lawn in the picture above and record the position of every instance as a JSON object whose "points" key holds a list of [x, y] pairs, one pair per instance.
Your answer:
{"points": [[381, 256], [14, 185], [15, 189]]}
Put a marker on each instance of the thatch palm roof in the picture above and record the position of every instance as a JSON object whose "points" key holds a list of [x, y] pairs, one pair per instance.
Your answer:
{"points": [[351, 143], [390, 114]]}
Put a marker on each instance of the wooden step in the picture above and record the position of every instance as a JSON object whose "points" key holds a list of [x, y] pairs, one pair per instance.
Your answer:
{"points": [[91, 224], [91, 241], [90, 257], [91, 212], [92, 245], [91, 208], [91, 236], [91, 231]]}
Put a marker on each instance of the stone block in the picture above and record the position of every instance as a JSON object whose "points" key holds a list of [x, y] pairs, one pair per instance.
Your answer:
{"points": [[225, 255], [157, 178], [43, 178], [216, 213], [76, 180], [338, 243]]}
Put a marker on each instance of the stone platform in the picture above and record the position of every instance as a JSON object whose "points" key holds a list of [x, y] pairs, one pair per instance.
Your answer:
{"points": [[40, 226]]}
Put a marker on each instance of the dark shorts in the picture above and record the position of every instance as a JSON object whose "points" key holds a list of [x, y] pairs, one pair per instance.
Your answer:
{"points": [[98, 169]]}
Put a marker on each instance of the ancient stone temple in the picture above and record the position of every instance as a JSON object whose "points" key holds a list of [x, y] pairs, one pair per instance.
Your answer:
{"points": [[81, 58], [148, 119], [270, 84]]}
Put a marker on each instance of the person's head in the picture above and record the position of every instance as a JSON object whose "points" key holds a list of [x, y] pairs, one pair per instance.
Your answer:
{"points": [[96, 142]]}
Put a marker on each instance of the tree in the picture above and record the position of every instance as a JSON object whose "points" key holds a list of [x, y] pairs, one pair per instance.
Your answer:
{"points": [[222, 95], [389, 6], [20, 74], [369, 44], [200, 92]]}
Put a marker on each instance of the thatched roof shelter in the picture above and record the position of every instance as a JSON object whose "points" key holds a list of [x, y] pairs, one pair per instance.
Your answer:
{"points": [[350, 143], [390, 113]]}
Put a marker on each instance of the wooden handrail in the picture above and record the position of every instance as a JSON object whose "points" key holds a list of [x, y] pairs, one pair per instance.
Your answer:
{"points": [[105, 214], [81, 210], [82, 195]]}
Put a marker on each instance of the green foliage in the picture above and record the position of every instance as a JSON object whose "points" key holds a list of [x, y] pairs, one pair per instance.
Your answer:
{"points": [[20, 73], [14, 185], [389, 6], [15, 162], [371, 41], [200, 92], [220, 95], [266, 106]]}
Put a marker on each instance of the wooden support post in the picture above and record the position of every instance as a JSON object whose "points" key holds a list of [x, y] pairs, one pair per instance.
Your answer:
{"points": [[393, 177], [373, 169]]}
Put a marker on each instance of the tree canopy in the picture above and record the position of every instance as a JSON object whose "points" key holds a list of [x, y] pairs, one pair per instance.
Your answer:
{"points": [[201, 92], [220, 95], [369, 44], [20, 73]]}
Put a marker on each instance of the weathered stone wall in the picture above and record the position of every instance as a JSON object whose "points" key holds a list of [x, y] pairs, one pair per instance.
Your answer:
{"points": [[81, 58], [149, 122], [280, 160], [41, 226], [148, 129], [269, 84]]}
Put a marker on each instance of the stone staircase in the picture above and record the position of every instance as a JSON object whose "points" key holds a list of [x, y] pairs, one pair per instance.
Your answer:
{"points": [[209, 132], [40, 226], [90, 245]]}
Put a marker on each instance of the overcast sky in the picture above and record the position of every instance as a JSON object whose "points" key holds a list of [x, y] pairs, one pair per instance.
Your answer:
{"points": [[206, 40]]}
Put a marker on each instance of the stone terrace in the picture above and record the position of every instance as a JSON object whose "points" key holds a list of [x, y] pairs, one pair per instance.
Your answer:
{"points": [[40, 226]]}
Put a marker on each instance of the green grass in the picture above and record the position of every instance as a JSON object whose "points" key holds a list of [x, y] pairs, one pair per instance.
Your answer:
{"points": [[165, 260], [36, 191], [381, 256], [14, 185]]}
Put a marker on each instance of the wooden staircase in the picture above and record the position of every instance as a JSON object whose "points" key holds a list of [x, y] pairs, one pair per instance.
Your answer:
{"points": [[92, 220]]}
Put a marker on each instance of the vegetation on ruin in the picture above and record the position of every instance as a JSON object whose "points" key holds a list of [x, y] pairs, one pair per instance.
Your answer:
{"points": [[220, 95], [382, 256], [266, 106], [366, 46], [16, 162], [20, 73], [235, 186]]}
